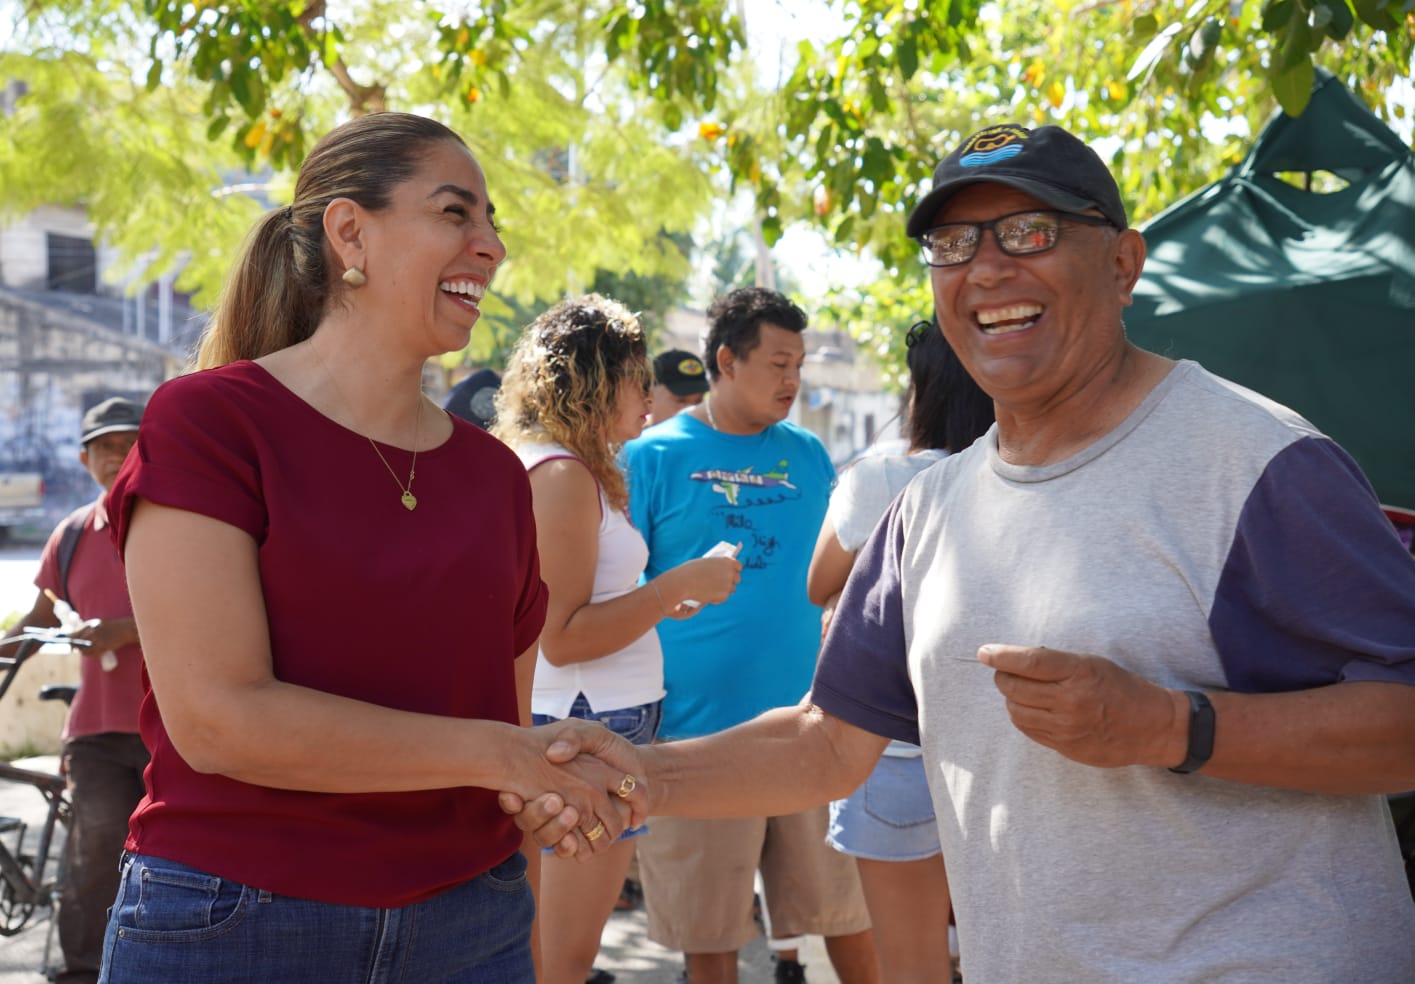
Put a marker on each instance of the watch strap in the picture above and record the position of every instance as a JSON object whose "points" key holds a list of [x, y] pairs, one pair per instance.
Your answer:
{"points": [[1201, 733]]}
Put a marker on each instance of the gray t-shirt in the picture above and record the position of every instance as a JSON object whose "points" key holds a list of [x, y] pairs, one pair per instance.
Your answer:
{"points": [[1215, 541]]}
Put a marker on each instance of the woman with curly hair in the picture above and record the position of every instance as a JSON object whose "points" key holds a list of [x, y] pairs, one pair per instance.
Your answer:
{"points": [[575, 390]]}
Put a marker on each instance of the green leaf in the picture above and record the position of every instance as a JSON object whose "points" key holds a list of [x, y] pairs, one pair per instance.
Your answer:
{"points": [[771, 229], [154, 76], [241, 87], [1342, 20], [1293, 87], [1296, 47], [1146, 61], [1276, 14], [908, 58], [1143, 27], [1375, 13], [1203, 41]]}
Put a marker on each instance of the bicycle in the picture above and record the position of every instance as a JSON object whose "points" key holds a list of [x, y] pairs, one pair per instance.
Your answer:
{"points": [[26, 882]]}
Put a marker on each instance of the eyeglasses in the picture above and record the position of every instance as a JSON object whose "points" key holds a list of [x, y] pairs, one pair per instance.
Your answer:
{"points": [[1018, 234], [916, 333]]}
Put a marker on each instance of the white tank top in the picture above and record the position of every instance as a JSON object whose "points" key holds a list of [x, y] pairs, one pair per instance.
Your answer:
{"points": [[634, 674]]}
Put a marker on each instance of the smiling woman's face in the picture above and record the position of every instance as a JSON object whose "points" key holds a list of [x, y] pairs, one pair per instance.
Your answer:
{"points": [[434, 250]]}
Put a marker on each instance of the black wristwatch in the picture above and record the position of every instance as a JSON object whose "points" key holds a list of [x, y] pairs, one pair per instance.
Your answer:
{"points": [[1201, 733]]}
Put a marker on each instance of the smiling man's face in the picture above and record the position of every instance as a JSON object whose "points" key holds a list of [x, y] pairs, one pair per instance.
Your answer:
{"points": [[1031, 327]]}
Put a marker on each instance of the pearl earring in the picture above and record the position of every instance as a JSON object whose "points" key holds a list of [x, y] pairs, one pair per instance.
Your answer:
{"points": [[354, 277]]}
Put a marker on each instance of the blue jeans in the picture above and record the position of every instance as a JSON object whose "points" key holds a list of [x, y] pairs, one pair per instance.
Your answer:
{"points": [[638, 725], [173, 924]]}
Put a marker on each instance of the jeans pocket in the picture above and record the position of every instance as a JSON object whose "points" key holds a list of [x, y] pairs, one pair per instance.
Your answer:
{"points": [[897, 794], [637, 725], [509, 876], [162, 900]]}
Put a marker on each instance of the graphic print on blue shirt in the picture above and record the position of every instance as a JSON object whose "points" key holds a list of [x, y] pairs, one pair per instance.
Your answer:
{"points": [[758, 549]]}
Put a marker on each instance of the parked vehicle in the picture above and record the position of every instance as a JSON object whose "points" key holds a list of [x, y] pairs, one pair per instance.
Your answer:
{"points": [[21, 500]]}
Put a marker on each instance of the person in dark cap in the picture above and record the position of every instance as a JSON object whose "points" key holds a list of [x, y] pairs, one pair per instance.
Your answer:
{"points": [[679, 382], [474, 398], [103, 754], [1153, 632]]}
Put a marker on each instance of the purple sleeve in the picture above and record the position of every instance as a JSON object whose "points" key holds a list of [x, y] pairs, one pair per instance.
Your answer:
{"points": [[1317, 587], [863, 673]]}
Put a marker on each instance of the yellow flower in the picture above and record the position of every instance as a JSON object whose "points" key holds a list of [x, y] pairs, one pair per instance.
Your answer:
{"points": [[711, 131]]}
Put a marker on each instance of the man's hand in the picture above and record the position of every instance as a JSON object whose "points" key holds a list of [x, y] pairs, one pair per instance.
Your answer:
{"points": [[1088, 708], [588, 749], [108, 634], [582, 789]]}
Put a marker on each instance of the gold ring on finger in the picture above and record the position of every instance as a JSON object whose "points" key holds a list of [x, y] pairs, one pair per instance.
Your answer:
{"points": [[595, 832], [626, 786]]}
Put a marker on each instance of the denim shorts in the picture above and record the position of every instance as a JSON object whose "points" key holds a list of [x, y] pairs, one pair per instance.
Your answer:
{"points": [[637, 725], [890, 817], [173, 924]]}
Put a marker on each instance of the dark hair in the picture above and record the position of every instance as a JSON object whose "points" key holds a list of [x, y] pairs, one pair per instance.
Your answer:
{"points": [[735, 320], [563, 378], [947, 409], [282, 281]]}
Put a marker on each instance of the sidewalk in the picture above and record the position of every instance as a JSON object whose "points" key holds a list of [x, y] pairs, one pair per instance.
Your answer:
{"points": [[625, 950]]}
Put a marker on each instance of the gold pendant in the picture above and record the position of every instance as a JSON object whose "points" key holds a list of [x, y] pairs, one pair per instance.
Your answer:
{"points": [[410, 501]]}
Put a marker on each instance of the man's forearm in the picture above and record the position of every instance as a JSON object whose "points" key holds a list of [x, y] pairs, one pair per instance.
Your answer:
{"points": [[1347, 738], [784, 761]]}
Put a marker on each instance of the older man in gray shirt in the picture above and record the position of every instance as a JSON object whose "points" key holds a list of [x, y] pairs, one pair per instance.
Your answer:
{"points": [[1153, 632]]}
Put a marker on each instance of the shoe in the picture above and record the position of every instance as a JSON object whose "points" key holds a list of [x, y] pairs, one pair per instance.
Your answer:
{"points": [[631, 896], [789, 971], [598, 976]]}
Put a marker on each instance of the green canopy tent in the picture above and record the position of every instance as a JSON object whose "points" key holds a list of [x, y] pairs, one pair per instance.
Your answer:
{"points": [[1303, 292]]}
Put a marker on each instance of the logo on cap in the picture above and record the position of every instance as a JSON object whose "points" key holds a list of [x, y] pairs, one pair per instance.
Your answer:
{"points": [[690, 367], [996, 143]]}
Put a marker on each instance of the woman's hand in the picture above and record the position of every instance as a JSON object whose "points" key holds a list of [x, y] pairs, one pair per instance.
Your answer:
{"points": [[706, 580], [595, 752], [590, 813]]}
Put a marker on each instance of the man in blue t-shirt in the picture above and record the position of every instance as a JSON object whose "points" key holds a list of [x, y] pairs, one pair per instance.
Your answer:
{"points": [[734, 470]]}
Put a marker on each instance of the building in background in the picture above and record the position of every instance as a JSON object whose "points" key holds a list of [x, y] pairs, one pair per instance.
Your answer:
{"points": [[68, 339]]}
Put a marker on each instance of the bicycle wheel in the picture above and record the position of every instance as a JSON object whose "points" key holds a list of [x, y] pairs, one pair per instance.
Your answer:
{"points": [[17, 900]]}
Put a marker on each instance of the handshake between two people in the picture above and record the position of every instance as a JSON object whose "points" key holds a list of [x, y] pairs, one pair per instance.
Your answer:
{"points": [[592, 788]]}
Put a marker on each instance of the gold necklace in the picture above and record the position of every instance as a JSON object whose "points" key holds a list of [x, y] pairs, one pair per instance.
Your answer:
{"points": [[707, 405], [410, 501]]}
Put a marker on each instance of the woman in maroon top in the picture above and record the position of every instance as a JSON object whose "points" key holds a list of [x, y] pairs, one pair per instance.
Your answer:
{"points": [[339, 598]]}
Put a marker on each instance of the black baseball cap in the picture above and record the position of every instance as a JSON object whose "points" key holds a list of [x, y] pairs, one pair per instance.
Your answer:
{"points": [[474, 398], [680, 372], [1047, 163], [112, 416]]}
